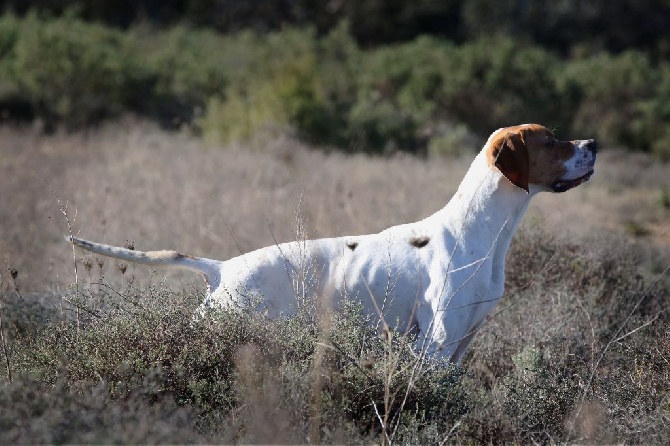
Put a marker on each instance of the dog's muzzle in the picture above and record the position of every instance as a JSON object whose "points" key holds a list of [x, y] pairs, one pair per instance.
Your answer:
{"points": [[588, 150]]}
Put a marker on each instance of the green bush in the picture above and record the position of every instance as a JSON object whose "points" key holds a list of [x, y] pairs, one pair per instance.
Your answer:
{"points": [[326, 89], [72, 71], [189, 67], [9, 34], [270, 87], [145, 347], [452, 140], [614, 90], [655, 115], [398, 96]]}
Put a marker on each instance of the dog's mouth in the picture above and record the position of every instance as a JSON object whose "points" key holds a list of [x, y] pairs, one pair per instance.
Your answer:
{"points": [[564, 185]]}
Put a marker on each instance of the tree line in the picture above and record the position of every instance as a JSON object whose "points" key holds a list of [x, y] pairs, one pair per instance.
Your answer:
{"points": [[339, 84], [559, 26]]}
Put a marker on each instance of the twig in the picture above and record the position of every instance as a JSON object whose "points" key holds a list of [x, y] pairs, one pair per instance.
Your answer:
{"points": [[450, 433], [620, 338], [593, 331], [385, 439], [353, 361], [5, 350], [63, 209]]}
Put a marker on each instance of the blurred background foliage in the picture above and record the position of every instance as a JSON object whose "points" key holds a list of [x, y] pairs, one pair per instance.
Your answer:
{"points": [[379, 76]]}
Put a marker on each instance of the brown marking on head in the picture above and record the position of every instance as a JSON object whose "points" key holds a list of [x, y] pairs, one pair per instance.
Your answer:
{"points": [[419, 242], [352, 245], [529, 154], [508, 152]]}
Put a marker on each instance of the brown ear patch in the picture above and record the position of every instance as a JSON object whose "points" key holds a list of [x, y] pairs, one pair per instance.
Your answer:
{"points": [[419, 242], [509, 154]]}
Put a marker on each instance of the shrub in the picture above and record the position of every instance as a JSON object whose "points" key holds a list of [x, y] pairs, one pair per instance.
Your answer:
{"points": [[391, 98], [326, 89], [271, 88], [189, 67], [614, 89], [9, 34], [147, 349], [74, 71], [577, 318], [501, 82], [397, 97], [655, 114], [452, 140]]}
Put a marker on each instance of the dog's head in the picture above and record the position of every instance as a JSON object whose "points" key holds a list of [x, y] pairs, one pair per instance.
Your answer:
{"points": [[530, 154]]}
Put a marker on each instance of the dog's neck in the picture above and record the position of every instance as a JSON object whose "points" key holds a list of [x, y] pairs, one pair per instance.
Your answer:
{"points": [[494, 205]]}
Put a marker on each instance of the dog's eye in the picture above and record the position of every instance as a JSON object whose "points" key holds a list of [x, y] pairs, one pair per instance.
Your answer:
{"points": [[550, 143]]}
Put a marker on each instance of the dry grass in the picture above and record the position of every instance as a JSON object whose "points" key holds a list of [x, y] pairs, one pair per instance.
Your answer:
{"points": [[578, 350], [129, 182], [134, 183]]}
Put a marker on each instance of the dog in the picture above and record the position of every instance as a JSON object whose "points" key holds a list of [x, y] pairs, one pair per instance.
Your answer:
{"points": [[439, 276]]}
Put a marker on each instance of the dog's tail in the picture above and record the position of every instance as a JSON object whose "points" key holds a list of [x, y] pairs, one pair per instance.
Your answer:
{"points": [[207, 267]]}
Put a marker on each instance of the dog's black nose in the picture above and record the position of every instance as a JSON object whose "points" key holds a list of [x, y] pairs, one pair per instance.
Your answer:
{"points": [[592, 145]]}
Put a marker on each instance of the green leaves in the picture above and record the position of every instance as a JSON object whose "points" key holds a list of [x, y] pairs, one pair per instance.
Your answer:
{"points": [[327, 89]]}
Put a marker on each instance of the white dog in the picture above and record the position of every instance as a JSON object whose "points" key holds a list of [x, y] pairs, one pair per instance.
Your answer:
{"points": [[440, 276]]}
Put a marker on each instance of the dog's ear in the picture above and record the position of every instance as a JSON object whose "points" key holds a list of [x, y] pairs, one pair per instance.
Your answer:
{"points": [[510, 156]]}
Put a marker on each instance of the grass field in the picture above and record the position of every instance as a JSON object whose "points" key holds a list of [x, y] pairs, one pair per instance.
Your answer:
{"points": [[578, 351]]}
